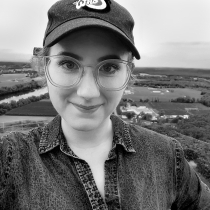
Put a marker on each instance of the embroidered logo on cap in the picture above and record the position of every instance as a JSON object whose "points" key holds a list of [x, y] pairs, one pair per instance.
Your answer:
{"points": [[93, 4]]}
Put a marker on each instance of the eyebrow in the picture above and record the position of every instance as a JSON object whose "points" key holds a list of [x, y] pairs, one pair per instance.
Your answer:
{"points": [[71, 55], [106, 57]]}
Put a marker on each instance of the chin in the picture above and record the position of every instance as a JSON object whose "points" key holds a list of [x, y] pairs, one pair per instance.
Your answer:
{"points": [[85, 125], [84, 122]]}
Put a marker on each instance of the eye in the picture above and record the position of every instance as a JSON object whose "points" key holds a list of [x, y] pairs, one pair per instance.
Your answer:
{"points": [[109, 68], [68, 65]]}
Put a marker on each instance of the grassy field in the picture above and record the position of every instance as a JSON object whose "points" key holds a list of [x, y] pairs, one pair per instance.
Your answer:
{"points": [[205, 73], [9, 80], [178, 106], [40, 108], [163, 94], [170, 108], [45, 108], [14, 65]]}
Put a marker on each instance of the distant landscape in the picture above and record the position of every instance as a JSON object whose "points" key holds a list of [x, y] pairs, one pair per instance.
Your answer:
{"points": [[171, 101], [169, 71], [6, 65]]}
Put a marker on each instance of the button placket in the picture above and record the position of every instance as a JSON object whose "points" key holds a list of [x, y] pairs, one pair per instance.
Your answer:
{"points": [[111, 185], [89, 184]]}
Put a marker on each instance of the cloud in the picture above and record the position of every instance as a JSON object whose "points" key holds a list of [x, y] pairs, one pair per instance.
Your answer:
{"points": [[177, 54], [10, 55]]}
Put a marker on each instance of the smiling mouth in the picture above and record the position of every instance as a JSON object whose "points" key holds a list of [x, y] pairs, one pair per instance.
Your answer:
{"points": [[86, 107]]}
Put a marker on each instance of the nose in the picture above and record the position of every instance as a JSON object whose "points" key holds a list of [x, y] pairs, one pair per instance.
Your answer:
{"points": [[88, 87]]}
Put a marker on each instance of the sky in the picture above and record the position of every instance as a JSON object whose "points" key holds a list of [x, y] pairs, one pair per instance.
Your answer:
{"points": [[168, 33]]}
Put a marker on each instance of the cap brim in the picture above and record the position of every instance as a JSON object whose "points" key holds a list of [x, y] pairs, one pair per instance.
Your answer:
{"points": [[71, 25]]}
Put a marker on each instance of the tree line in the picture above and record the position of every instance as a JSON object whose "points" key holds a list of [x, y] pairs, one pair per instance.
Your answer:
{"points": [[19, 88], [5, 107]]}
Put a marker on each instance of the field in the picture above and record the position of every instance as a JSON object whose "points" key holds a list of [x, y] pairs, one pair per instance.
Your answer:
{"points": [[189, 72], [40, 108], [9, 80], [14, 65], [45, 108], [178, 108], [163, 94], [169, 108]]}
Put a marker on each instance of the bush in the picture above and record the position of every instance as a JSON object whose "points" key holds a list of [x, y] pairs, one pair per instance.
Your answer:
{"points": [[203, 168], [32, 98], [19, 87], [1, 130], [2, 111], [20, 103], [13, 104], [5, 106], [190, 154]]}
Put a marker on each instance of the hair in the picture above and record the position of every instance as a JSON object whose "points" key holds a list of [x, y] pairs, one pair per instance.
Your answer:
{"points": [[37, 63], [44, 52]]}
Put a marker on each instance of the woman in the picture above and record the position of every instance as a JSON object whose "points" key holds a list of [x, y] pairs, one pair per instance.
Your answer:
{"points": [[87, 158]]}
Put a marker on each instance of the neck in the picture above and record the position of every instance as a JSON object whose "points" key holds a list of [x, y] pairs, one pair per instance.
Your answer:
{"points": [[88, 139]]}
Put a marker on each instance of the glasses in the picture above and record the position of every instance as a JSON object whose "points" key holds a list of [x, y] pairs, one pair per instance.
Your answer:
{"points": [[66, 72]]}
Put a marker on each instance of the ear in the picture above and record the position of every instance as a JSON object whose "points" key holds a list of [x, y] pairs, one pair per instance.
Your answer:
{"points": [[132, 66]]}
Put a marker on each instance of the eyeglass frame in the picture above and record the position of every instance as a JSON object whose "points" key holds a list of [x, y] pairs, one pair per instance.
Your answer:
{"points": [[82, 67]]}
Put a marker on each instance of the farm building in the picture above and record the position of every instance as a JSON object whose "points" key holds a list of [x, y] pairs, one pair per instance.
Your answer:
{"points": [[173, 113], [138, 110]]}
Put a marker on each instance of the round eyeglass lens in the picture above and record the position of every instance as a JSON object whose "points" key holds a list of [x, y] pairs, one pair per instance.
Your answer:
{"points": [[113, 74], [63, 70]]}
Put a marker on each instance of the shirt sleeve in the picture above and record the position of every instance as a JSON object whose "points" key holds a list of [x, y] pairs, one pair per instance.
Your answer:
{"points": [[192, 193], [6, 156]]}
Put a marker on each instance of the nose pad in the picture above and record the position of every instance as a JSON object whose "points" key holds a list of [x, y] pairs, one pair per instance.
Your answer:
{"points": [[88, 87]]}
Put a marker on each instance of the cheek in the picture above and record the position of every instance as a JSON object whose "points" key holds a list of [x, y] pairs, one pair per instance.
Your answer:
{"points": [[58, 96], [114, 97]]}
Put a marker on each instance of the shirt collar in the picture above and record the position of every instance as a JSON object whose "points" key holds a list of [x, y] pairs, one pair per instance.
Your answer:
{"points": [[51, 136], [122, 133]]}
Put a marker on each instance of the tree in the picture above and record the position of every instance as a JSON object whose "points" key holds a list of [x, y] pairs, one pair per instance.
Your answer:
{"points": [[129, 115], [13, 104], [146, 100], [2, 111], [175, 120], [147, 117], [161, 113], [5, 106]]}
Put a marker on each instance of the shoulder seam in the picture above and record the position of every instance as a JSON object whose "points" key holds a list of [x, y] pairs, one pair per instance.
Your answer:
{"points": [[178, 164]]}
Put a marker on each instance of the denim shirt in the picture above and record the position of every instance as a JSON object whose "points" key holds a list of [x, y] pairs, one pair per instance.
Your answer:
{"points": [[144, 171]]}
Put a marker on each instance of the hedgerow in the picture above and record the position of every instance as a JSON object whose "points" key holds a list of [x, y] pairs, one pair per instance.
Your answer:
{"points": [[5, 107]]}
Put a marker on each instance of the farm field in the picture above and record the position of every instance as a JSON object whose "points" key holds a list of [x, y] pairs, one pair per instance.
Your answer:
{"points": [[163, 94], [9, 119], [40, 108], [9, 80], [178, 106], [170, 108], [189, 72], [44, 108]]}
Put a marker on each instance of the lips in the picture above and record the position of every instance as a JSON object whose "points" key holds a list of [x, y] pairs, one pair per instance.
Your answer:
{"points": [[92, 107]]}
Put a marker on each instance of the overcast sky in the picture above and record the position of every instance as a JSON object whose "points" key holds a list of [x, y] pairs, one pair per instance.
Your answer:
{"points": [[168, 33]]}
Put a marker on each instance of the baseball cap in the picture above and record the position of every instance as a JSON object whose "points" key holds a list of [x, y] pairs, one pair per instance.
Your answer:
{"points": [[68, 15]]}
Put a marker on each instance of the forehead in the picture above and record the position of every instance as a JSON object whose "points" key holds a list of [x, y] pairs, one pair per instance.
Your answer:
{"points": [[97, 39]]}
